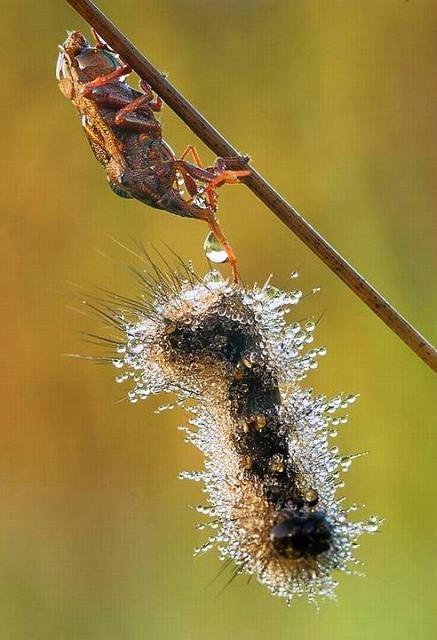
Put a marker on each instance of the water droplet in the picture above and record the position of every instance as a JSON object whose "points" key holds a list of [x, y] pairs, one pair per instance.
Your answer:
{"points": [[294, 275], [276, 463], [271, 292], [136, 347], [246, 462], [260, 422], [372, 524], [311, 496], [246, 362], [180, 180], [351, 398], [205, 547], [345, 463], [170, 327], [243, 425], [213, 279], [214, 249], [199, 201]]}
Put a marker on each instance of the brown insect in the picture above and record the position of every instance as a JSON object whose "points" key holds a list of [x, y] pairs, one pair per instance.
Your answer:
{"points": [[126, 138]]}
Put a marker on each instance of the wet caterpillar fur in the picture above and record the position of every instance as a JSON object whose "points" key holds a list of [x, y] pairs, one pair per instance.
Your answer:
{"points": [[269, 474]]}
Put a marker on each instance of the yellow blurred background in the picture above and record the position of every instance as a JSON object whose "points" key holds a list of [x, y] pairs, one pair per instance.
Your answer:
{"points": [[335, 101]]}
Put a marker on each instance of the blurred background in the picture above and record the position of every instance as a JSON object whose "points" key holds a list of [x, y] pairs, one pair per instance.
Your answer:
{"points": [[335, 101]]}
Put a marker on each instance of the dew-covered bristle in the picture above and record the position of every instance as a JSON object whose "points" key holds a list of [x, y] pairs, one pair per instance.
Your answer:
{"points": [[269, 473]]}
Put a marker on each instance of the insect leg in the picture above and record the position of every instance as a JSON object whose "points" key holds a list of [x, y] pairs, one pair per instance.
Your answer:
{"points": [[189, 182], [234, 163], [225, 177], [147, 100], [155, 103], [212, 180], [191, 173], [209, 217], [141, 101], [89, 87], [221, 163], [217, 231], [198, 173], [190, 149], [215, 175], [100, 43]]}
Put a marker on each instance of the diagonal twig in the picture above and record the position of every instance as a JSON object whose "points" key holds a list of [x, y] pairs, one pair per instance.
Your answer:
{"points": [[256, 183]]}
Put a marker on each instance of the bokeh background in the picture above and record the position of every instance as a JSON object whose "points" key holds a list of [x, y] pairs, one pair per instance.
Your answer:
{"points": [[336, 103]]}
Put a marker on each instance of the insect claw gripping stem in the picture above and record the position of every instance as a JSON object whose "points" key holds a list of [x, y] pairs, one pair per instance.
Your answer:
{"points": [[154, 103], [225, 177], [220, 173], [100, 43]]}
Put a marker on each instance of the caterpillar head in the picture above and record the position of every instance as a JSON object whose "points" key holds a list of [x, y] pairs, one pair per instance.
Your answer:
{"points": [[298, 534]]}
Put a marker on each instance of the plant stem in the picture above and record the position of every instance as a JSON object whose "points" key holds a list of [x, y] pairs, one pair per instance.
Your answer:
{"points": [[256, 183]]}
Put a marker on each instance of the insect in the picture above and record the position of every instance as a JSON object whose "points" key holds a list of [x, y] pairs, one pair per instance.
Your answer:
{"points": [[270, 476], [126, 138]]}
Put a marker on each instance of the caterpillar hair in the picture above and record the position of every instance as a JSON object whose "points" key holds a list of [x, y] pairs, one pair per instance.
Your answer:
{"points": [[269, 474]]}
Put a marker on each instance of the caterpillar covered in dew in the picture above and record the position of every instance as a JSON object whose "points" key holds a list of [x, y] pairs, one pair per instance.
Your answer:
{"points": [[270, 475]]}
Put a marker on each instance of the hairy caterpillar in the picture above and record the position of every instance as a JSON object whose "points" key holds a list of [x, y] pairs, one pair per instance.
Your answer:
{"points": [[269, 474]]}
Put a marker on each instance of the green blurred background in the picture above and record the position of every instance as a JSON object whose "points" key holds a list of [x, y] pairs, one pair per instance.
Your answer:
{"points": [[336, 103]]}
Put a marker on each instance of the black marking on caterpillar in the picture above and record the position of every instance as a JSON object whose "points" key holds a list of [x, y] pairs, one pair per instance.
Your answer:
{"points": [[269, 473]]}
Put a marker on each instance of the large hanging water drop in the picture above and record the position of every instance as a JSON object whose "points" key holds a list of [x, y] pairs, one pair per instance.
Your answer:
{"points": [[214, 249]]}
